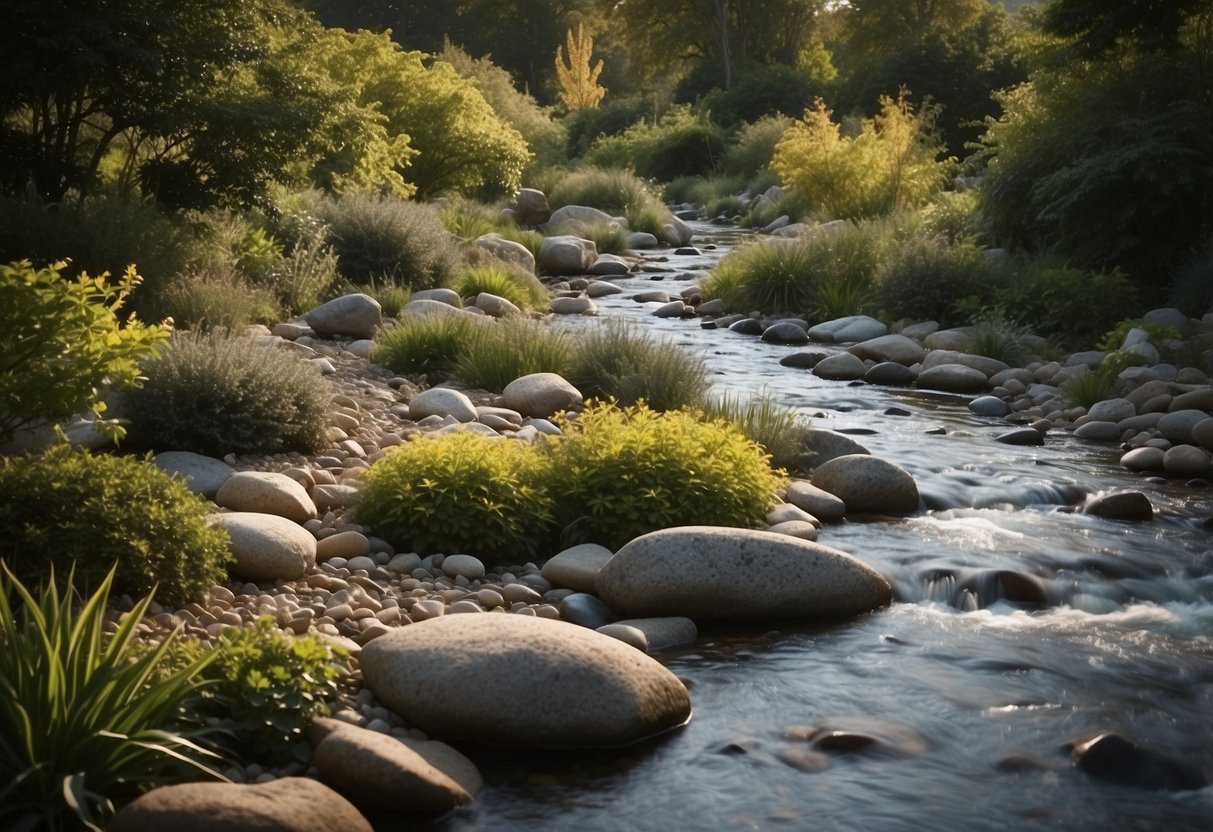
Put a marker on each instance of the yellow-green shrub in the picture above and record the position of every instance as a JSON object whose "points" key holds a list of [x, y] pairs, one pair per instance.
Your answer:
{"points": [[620, 473]]}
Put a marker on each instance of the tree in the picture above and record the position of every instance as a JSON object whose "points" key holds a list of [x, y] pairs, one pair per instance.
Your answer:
{"points": [[579, 88]]}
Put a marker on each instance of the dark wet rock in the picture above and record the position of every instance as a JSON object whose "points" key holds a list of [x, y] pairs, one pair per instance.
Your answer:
{"points": [[889, 374], [1021, 436], [897, 411], [1114, 759], [785, 332], [747, 326], [820, 446], [1098, 431], [586, 610], [1124, 505], [989, 406], [803, 360], [840, 367]]}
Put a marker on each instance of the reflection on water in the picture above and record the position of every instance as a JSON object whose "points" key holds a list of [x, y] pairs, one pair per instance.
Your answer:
{"points": [[1019, 625]]}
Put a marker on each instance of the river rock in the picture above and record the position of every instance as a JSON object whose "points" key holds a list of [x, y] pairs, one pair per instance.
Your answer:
{"points": [[1186, 461], [1202, 433], [585, 610], [441, 294], [868, 483], [288, 804], [952, 378], [820, 446], [545, 684], [1021, 436], [747, 326], [989, 406], [1123, 505], [653, 634], [601, 289], [609, 264], [576, 567], [850, 328], [800, 529], [784, 512], [378, 771], [531, 207], [541, 395], [1098, 431], [266, 547], [840, 367], [988, 366], [816, 501], [442, 402], [496, 306], [891, 347], [565, 254], [1112, 410], [267, 493], [467, 566], [890, 374], [675, 232], [803, 360], [202, 474], [347, 544], [507, 251], [1147, 391], [572, 306], [785, 332], [428, 307], [1178, 425], [1114, 759], [1201, 399], [357, 316], [738, 574], [575, 216], [674, 309], [642, 241], [1144, 459]]}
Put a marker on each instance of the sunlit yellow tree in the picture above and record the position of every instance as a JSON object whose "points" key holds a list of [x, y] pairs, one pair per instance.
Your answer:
{"points": [[579, 87]]}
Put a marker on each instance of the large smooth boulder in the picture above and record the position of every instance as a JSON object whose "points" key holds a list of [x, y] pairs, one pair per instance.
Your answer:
{"points": [[289, 804], [541, 395], [820, 503], [267, 547], [577, 567], [522, 682], [840, 367], [675, 232], [531, 207], [1178, 425], [357, 316], [1202, 433], [507, 251], [868, 483], [202, 474], [441, 294], [851, 328], [893, 347], [1121, 505], [1112, 410], [443, 402], [988, 366], [378, 771], [822, 445], [572, 217], [715, 572], [496, 306], [427, 307], [952, 378], [566, 254], [267, 493]]}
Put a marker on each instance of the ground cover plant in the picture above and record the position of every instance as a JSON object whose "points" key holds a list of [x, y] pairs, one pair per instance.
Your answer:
{"points": [[496, 353], [425, 345]]}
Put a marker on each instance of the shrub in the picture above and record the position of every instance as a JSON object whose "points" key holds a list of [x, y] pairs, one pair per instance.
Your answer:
{"points": [[461, 493], [307, 276], [492, 356], [378, 238], [776, 429], [468, 219], [428, 345], [623, 472], [261, 688], [753, 147], [893, 163], [205, 301], [1088, 387], [215, 394], [608, 238], [994, 335], [1192, 288], [61, 341], [98, 513], [85, 719], [613, 190], [759, 90], [925, 276], [514, 284], [1068, 305], [391, 298], [612, 118], [616, 361], [680, 143]]}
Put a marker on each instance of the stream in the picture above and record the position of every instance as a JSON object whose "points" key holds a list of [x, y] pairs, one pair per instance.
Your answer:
{"points": [[1018, 625]]}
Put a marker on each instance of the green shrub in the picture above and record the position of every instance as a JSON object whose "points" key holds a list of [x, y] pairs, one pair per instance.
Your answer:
{"points": [[613, 190], [215, 394], [955, 215], [428, 345], [391, 298], [760, 89], [263, 688], [615, 116], [753, 148], [468, 219], [493, 355], [1192, 288], [608, 238], [616, 361], [623, 472], [61, 341], [1091, 386], [1070, 306], [893, 163], [225, 301], [96, 513], [776, 429], [994, 335], [87, 718], [925, 276], [519, 287], [307, 276], [680, 143], [836, 297], [378, 238], [461, 493]]}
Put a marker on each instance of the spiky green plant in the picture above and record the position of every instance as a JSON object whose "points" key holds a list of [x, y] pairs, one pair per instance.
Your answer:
{"points": [[778, 430], [1091, 386], [429, 345], [995, 335], [492, 356], [86, 718], [510, 282], [617, 361]]}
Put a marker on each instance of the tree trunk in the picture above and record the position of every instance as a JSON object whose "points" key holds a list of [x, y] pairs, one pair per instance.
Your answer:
{"points": [[722, 21]]}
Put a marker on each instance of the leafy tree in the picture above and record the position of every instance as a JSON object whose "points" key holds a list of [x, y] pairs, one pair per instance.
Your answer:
{"points": [[579, 87], [61, 341]]}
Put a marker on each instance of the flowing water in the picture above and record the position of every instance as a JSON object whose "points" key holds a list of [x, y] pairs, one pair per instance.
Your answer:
{"points": [[1018, 625]]}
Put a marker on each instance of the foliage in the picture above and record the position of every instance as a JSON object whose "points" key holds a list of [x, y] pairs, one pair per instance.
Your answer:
{"points": [[760, 91], [261, 688], [98, 513], [1070, 306], [1192, 288], [214, 393], [62, 341], [622, 472], [381, 237], [779, 431], [753, 148], [578, 81], [391, 298], [494, 355], [84, 719], [428, 345], [608, 238], [925, 276], [1087, 387], [680, 143], [994, 335], [507, 281], [612, 118], [463, 493], [774, 276], [894, 162], [613, 190], [1156, 334], [223, 301], [616, 361], [307, 275]]}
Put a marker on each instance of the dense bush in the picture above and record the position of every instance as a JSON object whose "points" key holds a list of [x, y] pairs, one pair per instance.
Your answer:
{"points": [[61, 340], [261, 689], [383, 238], [215, 394], [1192, 288], [753, 148], [623, 472], [461, 493], [95, 513], [616, 361], [516, 285], [1070, 306], [493, 355], [428, 345], [1091, 386], [925, 276], [613, 190], [88, 713], [894, 162], [217, 301], [612, 118], [678, 144], [779, 431], [761, 90]]}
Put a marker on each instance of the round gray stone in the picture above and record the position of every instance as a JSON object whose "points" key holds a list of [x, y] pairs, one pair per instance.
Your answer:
{"points": [[868, 483], [442, 402], [1186, 461], [1144, 459], [893, 347], [820, 503], [989, 406], [1112, 410], [1098, 431], [357, 316], [267, 547], [785, 332], [840, 367], [1202, 433], [890, 374], [203, 474], [541, 395], [952, 378], [653, 634], [1122, 505], [577, 567], [266, 493]]}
